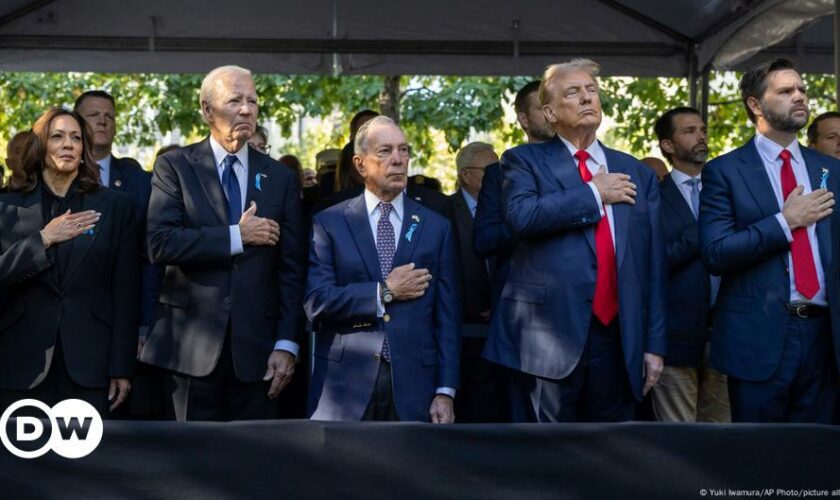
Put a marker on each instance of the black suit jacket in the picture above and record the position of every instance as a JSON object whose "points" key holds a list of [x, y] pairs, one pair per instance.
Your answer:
{"points": [[492, 238], [259, 292], [688, 282], [475, 284], [129, 177], [94, 311]]}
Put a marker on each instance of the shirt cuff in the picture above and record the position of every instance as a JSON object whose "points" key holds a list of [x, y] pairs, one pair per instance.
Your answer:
{"points": [[235, 241], [380, 308], [288, 346], [597, 198], [785, 227], [448, 391]]}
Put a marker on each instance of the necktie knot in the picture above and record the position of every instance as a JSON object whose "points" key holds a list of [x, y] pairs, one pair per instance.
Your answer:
{"points": [[584, 172], [582, 155], [785, 155], [229, 161], [693, 183], [385, 207]]}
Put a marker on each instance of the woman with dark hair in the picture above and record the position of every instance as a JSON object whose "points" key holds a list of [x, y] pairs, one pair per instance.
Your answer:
{"points": [[69, 279]]}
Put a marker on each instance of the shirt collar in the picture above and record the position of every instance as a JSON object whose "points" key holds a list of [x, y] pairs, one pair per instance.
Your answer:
{"points": [[372, 203], [471, 203], [220, 153], [596, 152], [105, 163], [680, 177], [769, 150]]}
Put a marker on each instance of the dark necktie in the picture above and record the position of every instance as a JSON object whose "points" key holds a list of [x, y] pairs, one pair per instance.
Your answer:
{"points": [[605, 302], [230, 183], [804, 269], [386, 247]]}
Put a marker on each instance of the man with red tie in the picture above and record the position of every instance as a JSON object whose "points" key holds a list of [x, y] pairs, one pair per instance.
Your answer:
{"points": [[581, 320], [765, 228]]}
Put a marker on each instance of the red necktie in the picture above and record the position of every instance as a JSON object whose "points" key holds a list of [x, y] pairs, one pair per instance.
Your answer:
{"points": [[605, 302], [804, 270]]}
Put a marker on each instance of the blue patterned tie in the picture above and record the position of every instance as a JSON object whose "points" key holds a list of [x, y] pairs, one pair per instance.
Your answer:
{"points": [[230, 183], [694, 184], [386, 247]]}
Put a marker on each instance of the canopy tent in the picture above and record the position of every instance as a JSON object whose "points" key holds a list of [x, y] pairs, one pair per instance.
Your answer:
{"points": [[490, 37]]}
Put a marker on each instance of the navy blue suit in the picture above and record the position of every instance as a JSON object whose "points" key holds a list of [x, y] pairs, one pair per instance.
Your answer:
{"points": [[423, 334], [492, 239], [542, 323], [127, 176], [743, 242], [688, 281]]}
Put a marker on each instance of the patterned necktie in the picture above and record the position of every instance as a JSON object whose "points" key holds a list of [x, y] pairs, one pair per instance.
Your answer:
{"points": [[694, 185], [386, 247], [605, 302], [230, 183], [804, 269]]}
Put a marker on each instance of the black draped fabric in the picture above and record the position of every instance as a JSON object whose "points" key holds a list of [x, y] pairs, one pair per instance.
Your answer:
{"points": [[302, 459], [55, 205]]}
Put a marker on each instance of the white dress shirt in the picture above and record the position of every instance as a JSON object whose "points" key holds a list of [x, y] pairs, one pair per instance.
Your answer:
{"points": [[396, 217], [105, 170], [680, 179], [236, 248], [769, 153], [596, 159]]}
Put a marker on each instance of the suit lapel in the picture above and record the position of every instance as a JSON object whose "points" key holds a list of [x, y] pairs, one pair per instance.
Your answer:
{"points": [[560, 163], [83, 243], [115, 180], [673, 197], [621, 211], [823, 228], [462, 212], [357, 219], [30, 215], [204, 165], [410, 233], [257, 166], [756, 180]]}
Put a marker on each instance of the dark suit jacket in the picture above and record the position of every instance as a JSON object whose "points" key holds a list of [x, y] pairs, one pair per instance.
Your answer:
{"points": [[543, 319], [129, 177], [473, 279], [423, 335], [743, 242], [492, 238], [259, 292], [688, 281], [94, 311]]}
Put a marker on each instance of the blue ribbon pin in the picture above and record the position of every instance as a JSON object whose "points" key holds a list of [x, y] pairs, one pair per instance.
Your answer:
{"points": [[257, 181], [824, 179], [410, 232]]}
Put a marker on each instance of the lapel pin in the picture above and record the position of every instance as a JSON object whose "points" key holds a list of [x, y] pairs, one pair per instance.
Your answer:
{"points": [[258, 181], [415, 218], [117, 183], [824, 179], [410, 232]]}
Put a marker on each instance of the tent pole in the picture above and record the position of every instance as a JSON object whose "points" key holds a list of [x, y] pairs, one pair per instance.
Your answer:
{"points": [[704, 98], [836, 53], [692, 77]]}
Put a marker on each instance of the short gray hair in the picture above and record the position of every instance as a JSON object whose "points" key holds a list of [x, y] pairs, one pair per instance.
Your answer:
{"points": [[208, 85], [555, 71], [360, 144], [467, 153]]}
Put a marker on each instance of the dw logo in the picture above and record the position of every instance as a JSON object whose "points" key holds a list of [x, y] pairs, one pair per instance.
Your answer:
{"points": [[72, 428]]}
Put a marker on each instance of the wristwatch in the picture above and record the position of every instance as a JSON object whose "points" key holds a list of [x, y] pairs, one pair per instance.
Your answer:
{"points": [[385, 293]]}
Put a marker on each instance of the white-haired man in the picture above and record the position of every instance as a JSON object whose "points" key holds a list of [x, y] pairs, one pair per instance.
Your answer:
{"points": [[226, 221], [581, 318]]}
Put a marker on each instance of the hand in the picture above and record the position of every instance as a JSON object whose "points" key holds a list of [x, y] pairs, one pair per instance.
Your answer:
{"points": [[653, 368], [614, 188], [802, 211], [442, 410], [407, 283], [281, 367], [118, 392], [67, 226], [258, 231]]}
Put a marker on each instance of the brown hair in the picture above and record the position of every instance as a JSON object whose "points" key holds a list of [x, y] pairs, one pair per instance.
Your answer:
{"points": [[35, 154]]}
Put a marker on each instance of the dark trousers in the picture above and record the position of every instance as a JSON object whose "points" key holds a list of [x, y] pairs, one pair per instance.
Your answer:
{"points": [[483, 396], [597, 390], [221, 396], [381, 407], [58, 386], [803, 387]]}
